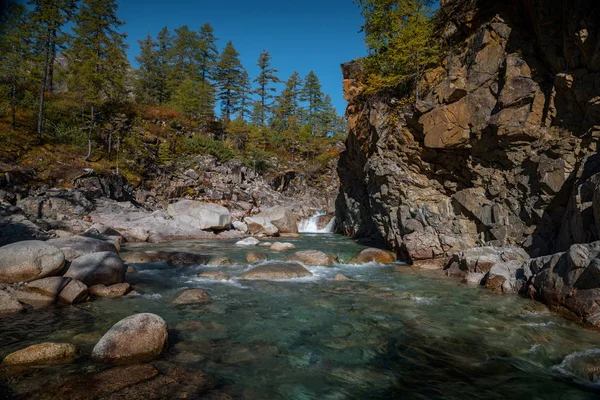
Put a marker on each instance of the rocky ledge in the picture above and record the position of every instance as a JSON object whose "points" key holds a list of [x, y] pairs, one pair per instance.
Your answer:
{"points": [[500, 150]]}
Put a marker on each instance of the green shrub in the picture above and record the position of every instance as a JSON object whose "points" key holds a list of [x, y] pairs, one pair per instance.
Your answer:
{"points": [[207, 146]]}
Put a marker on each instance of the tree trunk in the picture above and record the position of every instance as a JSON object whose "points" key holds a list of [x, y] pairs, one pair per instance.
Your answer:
{"points": [[110, 132], [13, 108], [92, 121], [40, 125], [51, 63]]}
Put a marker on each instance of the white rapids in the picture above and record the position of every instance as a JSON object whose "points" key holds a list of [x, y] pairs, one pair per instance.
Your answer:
{"points": [[311, 225]]}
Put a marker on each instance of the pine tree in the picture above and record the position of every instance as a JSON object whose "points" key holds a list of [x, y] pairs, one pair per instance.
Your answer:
{"points": [[265, 78], [208, 52], [312, 94], [14, 56], [243, 110], [327, 118], [184, 54], [229, 77], [49, 17], [186, 99]]}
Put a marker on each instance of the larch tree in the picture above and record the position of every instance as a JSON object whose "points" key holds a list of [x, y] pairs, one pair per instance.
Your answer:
{"points": [[229, 77], [97, 61], [266, 77], [14, 56], [148, 75], [164, 43], [49, 18], [312, 94], [286, 109], [186, 44], [243, 109], [208, 54]]}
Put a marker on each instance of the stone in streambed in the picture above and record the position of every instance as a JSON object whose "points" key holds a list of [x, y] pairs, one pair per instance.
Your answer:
{"points": [[340, 277], [255, 257], [9, 305], [104, 268], [187, 259], [74, 247], [261, 226], [203, 216], [43, 353], [29, 260], [312, 257], [74, 292], [284, 220], [135, 338], [191, 296], [219, 262], [214, 275], [279, 246], [277, 271], [112, 291], [376, 255], [248, 242], [137, 258], [50, 286]]}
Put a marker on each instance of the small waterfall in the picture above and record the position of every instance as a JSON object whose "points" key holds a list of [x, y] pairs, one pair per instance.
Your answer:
{"points": [[311, 225]]}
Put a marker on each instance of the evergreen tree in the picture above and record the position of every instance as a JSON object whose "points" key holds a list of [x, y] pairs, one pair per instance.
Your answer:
{"points": [[14, 56], [208, 52], [243, 110], [265, 78], [327, 118], [312, 94], [164, 43], [229, 77], [49, 17], [186, 99], [286, 110], [184, 55], [149, 72]]}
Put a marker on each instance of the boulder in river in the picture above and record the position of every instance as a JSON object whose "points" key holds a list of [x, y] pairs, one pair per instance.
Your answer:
{"points": [[191, 296], [135, 338], [204, 216], [50, 286], [43, 353], [261, 226], [255, 257], [214, 275], [29, 260], [182, 258], [281, 270], [282, 218], [312, 257], [112, 291], [376, 255], [104, 268], [76, 246], [248, 242], [219, 261], [8, 304], [279, 246], [137, 258], [74, 292]]}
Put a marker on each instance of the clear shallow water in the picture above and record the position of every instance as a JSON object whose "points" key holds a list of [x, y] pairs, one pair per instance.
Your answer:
{"points": [[386, 334]]}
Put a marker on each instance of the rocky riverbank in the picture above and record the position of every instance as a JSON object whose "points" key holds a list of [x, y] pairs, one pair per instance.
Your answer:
{"points": [[500, 151]]}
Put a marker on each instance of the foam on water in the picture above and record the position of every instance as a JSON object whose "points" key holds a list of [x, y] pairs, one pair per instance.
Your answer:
{"points": [[311, 225]]}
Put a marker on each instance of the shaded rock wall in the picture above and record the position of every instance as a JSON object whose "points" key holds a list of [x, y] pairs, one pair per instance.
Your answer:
{"points": [[497, 151]]}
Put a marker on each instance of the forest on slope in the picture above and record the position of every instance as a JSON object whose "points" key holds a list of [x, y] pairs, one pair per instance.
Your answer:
{"points": [[69, 98]]}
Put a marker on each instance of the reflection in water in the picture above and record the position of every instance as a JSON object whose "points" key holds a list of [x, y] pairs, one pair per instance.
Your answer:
{"points": [[384, 334]]}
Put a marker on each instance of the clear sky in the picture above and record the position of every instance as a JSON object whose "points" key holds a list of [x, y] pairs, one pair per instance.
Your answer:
{"points": [[304, 35]]}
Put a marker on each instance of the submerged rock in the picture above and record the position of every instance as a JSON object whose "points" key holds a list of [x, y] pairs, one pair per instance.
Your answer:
{"points": [[255, 257], [135, 338], [104, 268], [29, 260], [112, 291], [43, 353], [376, 255], [187, 259], [219, 262], [191, 296], [312, 257], [137, 258], [340, 277], [214, 275], [277, 271]]}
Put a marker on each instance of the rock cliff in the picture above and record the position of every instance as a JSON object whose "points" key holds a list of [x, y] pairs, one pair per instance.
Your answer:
{"points": [[500, 149]]}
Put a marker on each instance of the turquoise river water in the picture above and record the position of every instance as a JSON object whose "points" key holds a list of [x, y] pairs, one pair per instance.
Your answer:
{"points": [[391, 332]]}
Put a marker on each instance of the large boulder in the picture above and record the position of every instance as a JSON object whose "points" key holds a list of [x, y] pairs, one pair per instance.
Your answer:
{"points": [[104, 268], [74, 292], [43, 291], [312, 257], [248, 242], [205, 216], [280, 270], [77, 246], [112, 291], [261, 226], [43, 353], [255, 257], [28, 261], [279, 246], [282, 218], [482, 259], [135, 338]]}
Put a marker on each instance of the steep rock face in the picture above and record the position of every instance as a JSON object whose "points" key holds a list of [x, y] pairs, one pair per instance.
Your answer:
{"points": [[495, 150]]}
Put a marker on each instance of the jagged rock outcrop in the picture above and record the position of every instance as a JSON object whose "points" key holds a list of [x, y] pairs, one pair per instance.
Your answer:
{"points": [[498, 151]]}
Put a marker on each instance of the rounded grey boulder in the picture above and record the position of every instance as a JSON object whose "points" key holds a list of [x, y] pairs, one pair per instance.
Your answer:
{"points": [[29, 260], [104, 268], [138, 337]]}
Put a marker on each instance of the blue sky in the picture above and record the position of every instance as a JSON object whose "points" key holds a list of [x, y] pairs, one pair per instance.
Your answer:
{"points": [[309, 35]]}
